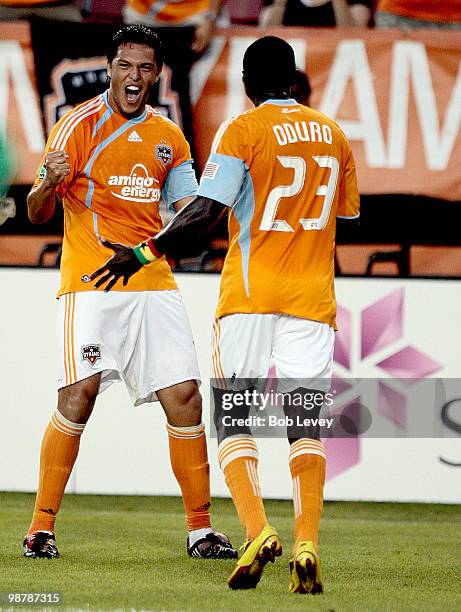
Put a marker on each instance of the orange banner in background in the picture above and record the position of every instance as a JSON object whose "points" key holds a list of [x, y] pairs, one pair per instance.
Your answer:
{"points": [[396, 95], [20, 115]]}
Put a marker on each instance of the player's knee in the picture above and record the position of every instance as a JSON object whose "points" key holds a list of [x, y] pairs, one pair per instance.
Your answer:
{"points": [[189, 410], [229, 420], [304, 415], [194, 406], [76, 402]]}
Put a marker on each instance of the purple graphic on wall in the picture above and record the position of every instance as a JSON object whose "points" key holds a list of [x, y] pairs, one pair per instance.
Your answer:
{"points": [[381, 326]]}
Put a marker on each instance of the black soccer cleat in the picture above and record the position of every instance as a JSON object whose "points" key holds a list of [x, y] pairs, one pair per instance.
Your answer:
{"points": [[40, 545], [213, 546]]}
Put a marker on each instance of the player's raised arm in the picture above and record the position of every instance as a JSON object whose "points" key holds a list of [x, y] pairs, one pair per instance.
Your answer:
{"points": [[41, 201], [183, 233]]}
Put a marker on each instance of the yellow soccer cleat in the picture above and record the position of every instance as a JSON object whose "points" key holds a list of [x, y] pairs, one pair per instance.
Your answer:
{"points": [[256, 554], [306, 575]]}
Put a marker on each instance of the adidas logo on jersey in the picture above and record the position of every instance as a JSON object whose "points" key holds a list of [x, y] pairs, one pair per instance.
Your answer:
{"points": [[134, 137]]}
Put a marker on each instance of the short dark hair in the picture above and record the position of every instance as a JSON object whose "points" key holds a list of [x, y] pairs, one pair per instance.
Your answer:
{"points": [[269, 65], [140, 34]]}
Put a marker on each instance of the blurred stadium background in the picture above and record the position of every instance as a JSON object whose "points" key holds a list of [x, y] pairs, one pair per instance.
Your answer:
{"points": [[397, 95]]}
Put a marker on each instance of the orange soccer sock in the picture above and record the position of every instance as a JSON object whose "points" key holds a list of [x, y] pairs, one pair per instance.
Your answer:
{"points": [[189, 460], [307, 466], [238, 458], [57, 457]]}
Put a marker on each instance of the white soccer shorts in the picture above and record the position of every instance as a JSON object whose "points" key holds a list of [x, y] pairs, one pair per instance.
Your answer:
{"points": [[141, 337], [248, 345]]}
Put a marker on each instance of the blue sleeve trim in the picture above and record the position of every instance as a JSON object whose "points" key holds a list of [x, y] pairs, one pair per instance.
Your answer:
{"points": [[222, 178], [180, 183]]}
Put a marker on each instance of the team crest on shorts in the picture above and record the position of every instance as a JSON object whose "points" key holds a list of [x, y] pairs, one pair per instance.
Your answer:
{"points": [[164, 153], [91, 353]]}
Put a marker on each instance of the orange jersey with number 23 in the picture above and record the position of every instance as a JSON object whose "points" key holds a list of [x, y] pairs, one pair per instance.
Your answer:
{"points": [[287, 172]]}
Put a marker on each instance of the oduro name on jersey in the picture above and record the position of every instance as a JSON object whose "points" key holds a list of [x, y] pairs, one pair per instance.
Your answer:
{"points": [[303, 131]]}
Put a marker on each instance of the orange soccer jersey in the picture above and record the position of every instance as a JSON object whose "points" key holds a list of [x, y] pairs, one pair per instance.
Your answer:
{"points": [[286, 171], [175, 12], [446, 11], [119, 171]]}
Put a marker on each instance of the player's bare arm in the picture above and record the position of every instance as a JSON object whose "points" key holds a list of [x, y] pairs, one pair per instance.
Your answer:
{"points": [[41, 201], [179, 205], [186, 228]]}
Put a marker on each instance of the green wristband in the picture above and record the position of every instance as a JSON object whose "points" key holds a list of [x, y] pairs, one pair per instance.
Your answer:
{"points": [[140, 256]]}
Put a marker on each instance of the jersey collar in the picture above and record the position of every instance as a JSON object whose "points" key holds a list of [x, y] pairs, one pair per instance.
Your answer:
{"points": [[284, 102]]}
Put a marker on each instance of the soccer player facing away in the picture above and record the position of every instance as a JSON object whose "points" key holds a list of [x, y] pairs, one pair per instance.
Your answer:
{"points": [[109, 161], [286, 176]]}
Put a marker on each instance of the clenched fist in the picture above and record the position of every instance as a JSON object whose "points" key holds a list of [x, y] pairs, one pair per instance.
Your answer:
{"points": [[57, 167]]}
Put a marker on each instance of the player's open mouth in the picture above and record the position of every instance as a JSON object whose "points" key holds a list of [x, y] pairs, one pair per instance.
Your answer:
{"points": [[132, 93]]}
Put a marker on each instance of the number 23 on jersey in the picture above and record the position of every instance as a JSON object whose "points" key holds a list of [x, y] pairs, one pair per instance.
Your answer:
{"points": [[327, 191]]}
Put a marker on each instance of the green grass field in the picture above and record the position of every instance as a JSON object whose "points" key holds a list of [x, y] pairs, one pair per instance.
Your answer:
{"points": [[128, 553]]}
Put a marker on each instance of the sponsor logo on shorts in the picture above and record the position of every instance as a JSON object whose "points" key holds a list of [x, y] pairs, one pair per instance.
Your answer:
{"points": [[164, 153], [85, 278], [91, 353], [137, 187]]}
